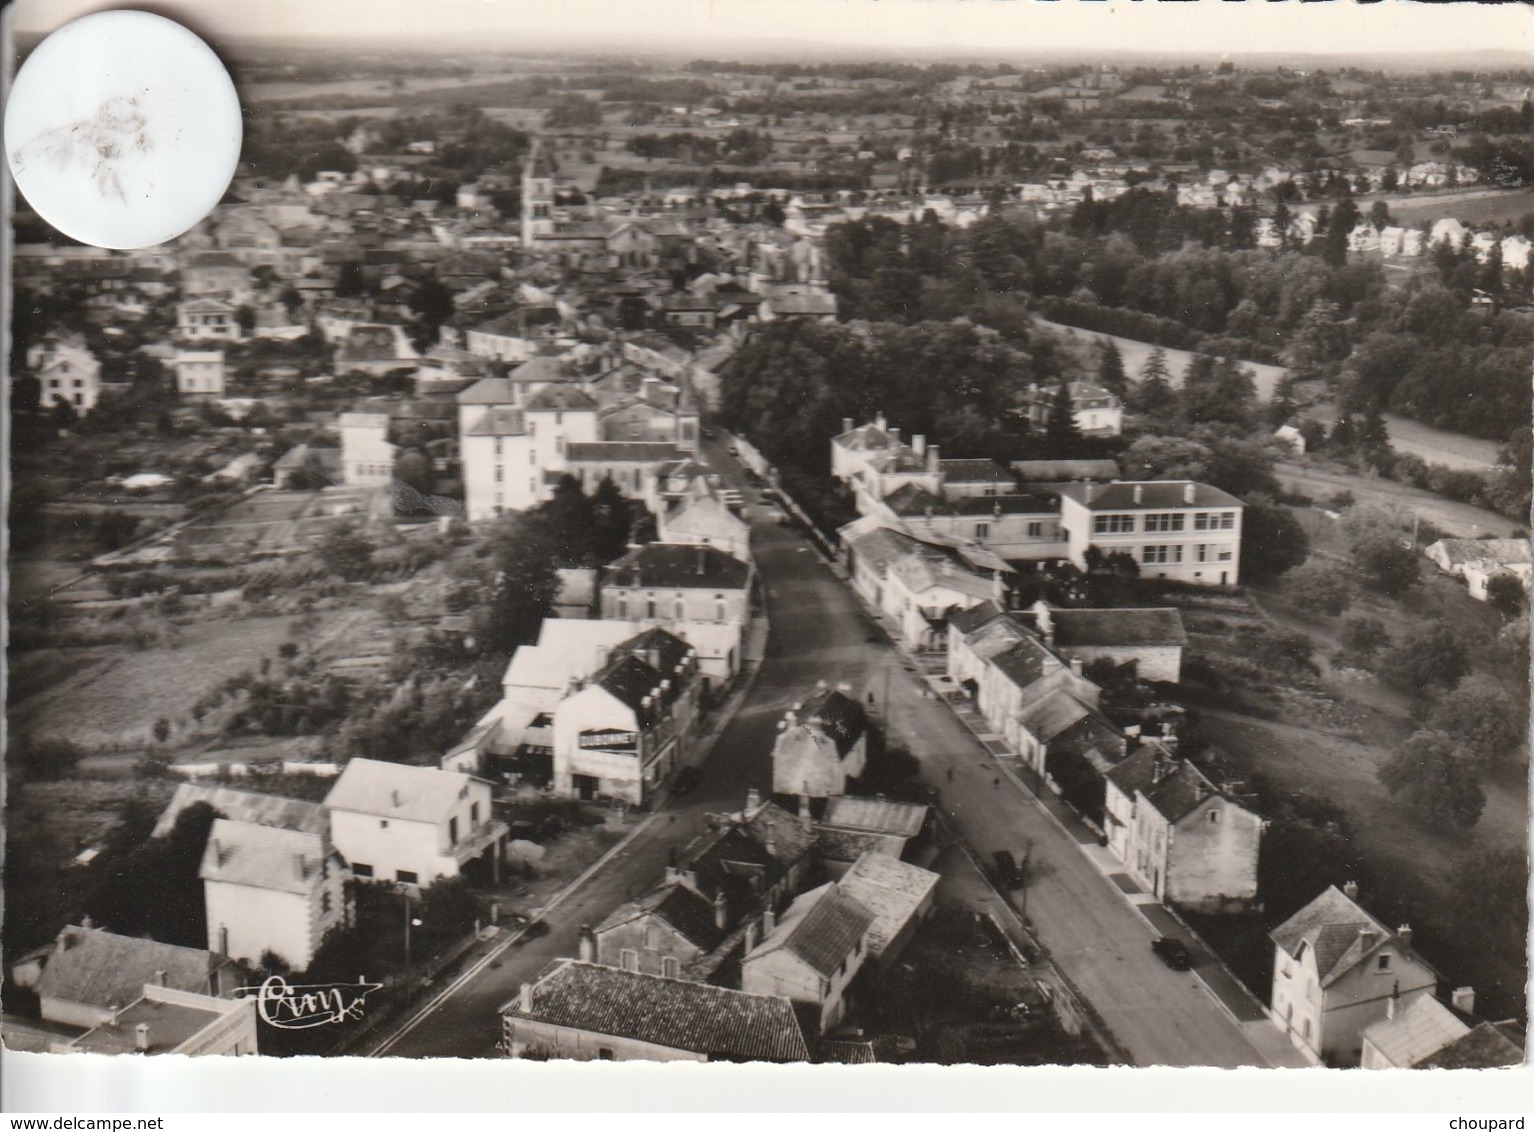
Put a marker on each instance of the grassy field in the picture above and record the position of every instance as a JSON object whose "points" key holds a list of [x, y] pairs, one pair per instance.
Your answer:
{"points": [[1472, 207], [112, 697], [1459, 520]]}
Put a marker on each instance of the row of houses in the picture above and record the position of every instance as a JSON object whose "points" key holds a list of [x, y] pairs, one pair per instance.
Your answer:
{"points": [[755, 946]]}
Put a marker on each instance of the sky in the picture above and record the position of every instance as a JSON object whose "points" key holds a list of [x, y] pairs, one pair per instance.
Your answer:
{"points": [[1235, 27]]}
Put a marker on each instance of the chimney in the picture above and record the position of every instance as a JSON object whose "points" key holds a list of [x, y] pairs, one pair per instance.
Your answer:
{"points": [[919, 444], [587, 948], [895, 435], [652, 656], [223, 941], [879, 422], [159, 979], [673, 874], [1139, 493], [702, 562], [1404, 934], [1187, 492], [525, 998], [846, 424], [804, 810], [1087, 492], [1393, 1002], [721, 910], [932, 460], [1350, 890], [790, 719], [753, 798], [769, 921], [1368, 937], [141, 1037], [753, 933], [1076, 665], [1463, 1000]]}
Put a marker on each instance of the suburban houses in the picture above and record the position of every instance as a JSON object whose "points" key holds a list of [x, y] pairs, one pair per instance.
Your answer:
{"points": [[827, 558]]}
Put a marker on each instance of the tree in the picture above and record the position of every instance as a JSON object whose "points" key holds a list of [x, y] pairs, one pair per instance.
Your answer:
{"points": [[1154, 391], [414, 469], [1060, 428], [346, 552], [524, 587], [1505, 592], [1430, 654], [1320, 586], [1435, 778], [1110, 367], [1385, 563], [1487, 723], [1493, 893], [570, 519], [1272, 541], [154, 889], [1362, 638]]}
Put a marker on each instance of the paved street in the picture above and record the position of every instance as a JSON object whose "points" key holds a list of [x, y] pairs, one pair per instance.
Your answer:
{"points": [[1100, 942]]}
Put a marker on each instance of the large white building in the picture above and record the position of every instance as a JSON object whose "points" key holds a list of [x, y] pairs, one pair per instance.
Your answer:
{"points": [[66, 371], [1175, 529]]}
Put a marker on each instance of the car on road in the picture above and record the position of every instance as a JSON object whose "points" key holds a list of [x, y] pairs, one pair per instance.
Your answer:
{"points": [[1172, 952], [686, 779]]}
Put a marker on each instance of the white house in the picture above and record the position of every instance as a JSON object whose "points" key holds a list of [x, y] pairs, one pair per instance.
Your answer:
{"points": [[1186, 840], [66, 371], [1336, 971], [1177, 529], [199, 373], [271, 890], [410, 824], [367, 457], [702, 519], [812, 954], [1152, 638], [628, 728], [197, 319], [822, 745], [1410, 1034], [1478, 561], [1097, 411], [898, 894]]}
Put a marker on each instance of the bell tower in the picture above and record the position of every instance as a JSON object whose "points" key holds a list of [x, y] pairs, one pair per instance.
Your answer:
{"points": [[537, 196]]}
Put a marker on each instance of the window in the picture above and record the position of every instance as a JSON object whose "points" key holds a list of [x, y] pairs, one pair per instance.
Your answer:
{"points": [[1201, 552], [532, 487], [988, 492], [1306, 1029], [719, 607], [1382, 963], [671, 967], [1225, 553], [651, 937], [1112, 524], [649, 608], [474, 815], [1035, 530], [383, 823], [681, 608], [604, 1053], [500, 473], [325, 902], [406, 876], [532, 456], [559, 418], [1214, 521], [623, 607], [532, 428], [452, 831], [1155, 555], [1164, 521], [628, 959], [1214, 817], [982, 530], [365, 872], [498, 446]]}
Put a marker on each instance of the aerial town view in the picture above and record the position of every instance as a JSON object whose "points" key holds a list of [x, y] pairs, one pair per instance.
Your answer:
{"points": [[771, 549]]}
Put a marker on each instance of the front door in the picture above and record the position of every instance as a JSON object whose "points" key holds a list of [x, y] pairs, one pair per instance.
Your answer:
{"points": [[585, 786]]}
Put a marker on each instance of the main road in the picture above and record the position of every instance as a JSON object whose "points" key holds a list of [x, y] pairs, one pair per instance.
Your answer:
{"points": [[819, 632]]}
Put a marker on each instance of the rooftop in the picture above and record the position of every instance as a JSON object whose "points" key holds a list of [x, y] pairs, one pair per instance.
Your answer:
{"points": [[874, 815], [1334, 926], [408, 793], [722, 1024], [822, 928], [246, 806], [891, 889], [677, 566], [1117, 627], [260, 856], [1419, 1029], [1154, 495], [103, 969]]}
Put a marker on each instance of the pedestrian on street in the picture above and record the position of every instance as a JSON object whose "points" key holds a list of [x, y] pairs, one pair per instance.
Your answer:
{"points": [[995, 782]]}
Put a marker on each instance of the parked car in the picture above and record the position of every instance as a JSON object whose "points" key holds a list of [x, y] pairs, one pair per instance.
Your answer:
{"points": [[1173, 952]]}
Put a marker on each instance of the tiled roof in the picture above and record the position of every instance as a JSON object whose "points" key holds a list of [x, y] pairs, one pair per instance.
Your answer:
{"points": [[1332, 925], [1118, 627], [822, 928], [540, 371], [1502, 551], [487, 391], [630, 680], [874, 815], [1419, 1029], [1052, 715], [677, 566], [621, 452], [103, 969], [866, 438], [1179, 789], [1024, 662], [976, 616], [901, 458], [849, 844], [1488, 1046], [891, 889], [727, 1025], [259, 856], [1154, 495], [501, 420], [840, 717], [246, 806], [409, 793], [923, 573], [911, 499], [881, 547], [559, 398], [684, 908], [1015, 503]]}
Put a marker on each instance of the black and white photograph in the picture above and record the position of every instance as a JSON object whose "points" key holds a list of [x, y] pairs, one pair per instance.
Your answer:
{"points": [[825, 532]]}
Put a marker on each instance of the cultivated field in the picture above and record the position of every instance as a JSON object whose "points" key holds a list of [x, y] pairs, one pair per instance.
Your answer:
{"points": [[1459, 520], [1470, 206], [1135, 353]]}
